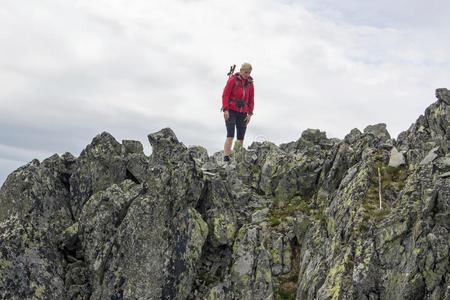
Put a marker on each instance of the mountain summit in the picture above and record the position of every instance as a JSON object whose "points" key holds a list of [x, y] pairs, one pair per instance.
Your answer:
{"points": [[366, 217]]}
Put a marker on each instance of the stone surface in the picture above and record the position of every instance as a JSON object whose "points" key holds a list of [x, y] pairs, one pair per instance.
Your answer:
{"points": [[396, 159], [379, 130], [443, 95], [430, 156], [297, 221]]}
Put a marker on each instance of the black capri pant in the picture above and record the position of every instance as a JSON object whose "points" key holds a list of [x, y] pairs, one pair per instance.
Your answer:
{"points": [[236, 119]]}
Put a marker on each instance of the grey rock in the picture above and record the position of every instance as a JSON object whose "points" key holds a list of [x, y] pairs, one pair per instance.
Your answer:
{"points": [[445, 175], [136, 165], [313, 135], [133, 147], [210, 166], [442, 163], [99, 165], [30, 264], [39, 193], [396, 159], [379, 130], [259, 215], [443, 95], [353, 136], [430, 156], [281, 255], [251, 272], [164, 144], [199, 153]]}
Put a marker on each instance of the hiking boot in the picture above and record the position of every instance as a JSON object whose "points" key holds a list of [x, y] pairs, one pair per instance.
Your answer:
{"points": [[226, 158]]}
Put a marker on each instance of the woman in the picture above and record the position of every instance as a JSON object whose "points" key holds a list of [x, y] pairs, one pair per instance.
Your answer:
{"points": [[237, 106]]}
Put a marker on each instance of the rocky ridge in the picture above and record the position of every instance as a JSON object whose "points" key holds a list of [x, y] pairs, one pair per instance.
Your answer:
{"points": [[300, 220]]}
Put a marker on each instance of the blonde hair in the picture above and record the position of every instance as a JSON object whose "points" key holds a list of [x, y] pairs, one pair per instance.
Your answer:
{"points": [[246, 66]]}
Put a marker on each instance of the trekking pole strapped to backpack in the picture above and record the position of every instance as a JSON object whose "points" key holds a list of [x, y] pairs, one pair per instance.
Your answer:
{"points": [[231, 71]]}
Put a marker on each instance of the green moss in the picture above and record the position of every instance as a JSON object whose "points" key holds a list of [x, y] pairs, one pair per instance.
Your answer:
{"points": [[293, 277], [369, 207], [275, 221], [303, 206], [392, 179], [378, 157], [286, 294], [363, 228], [287, 285], [366, 218], [319, 217], [276, 202], [291, 209], [381, 214]]}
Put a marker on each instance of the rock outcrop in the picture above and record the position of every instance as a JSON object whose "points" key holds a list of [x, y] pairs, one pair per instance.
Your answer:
{"points": [[366, 217]]}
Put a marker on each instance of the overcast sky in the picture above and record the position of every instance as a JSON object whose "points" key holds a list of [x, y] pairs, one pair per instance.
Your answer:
{"points": [[70, 70]]}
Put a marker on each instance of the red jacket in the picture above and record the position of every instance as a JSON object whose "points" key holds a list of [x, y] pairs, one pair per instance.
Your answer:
{"points": [[238, 89]]}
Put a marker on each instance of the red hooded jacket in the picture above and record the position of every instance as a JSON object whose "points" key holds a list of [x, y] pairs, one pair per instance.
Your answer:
{"points": [[238, 89]]}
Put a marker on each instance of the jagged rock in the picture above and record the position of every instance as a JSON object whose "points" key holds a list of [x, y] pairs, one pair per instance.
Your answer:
{"points": [[300, 220], [136, 161], [39, 192], [281, 254], [132, 147], [313, 136], [397, 159], [379, 130], [69, 239], [259, 215], [430, 156], [100, 164], [353, 136], [251, 273], [220, 213], [429, 131], [31, 267], [443, 95], [164, 143], [200, 153]]}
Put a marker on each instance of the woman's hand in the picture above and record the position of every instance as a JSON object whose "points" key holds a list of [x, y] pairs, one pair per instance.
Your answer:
{"points": [[247, 119], [226, 115]]}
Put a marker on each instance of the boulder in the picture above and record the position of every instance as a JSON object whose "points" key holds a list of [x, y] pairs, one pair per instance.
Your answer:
{"points": [[396, 159]]}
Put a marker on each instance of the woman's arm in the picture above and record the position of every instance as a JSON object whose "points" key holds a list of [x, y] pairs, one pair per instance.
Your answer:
{"points": [[226, 94]]}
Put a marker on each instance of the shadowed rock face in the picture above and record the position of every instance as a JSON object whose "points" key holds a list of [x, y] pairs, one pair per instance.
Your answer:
{"points": [[297, 221]]}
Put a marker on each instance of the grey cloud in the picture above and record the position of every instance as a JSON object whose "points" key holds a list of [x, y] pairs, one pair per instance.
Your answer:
{"points": [[384, 13]]}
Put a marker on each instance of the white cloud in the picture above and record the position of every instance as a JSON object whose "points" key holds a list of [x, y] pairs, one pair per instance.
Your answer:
{"points": [[77, 68]]}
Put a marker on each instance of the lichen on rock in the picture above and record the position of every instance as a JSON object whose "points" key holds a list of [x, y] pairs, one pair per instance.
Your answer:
{"points": [[365, 217]]}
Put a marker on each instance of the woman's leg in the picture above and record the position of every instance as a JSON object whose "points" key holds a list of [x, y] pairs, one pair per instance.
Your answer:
{"points": [[241, 128], [230, 124], [227, 146]]}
